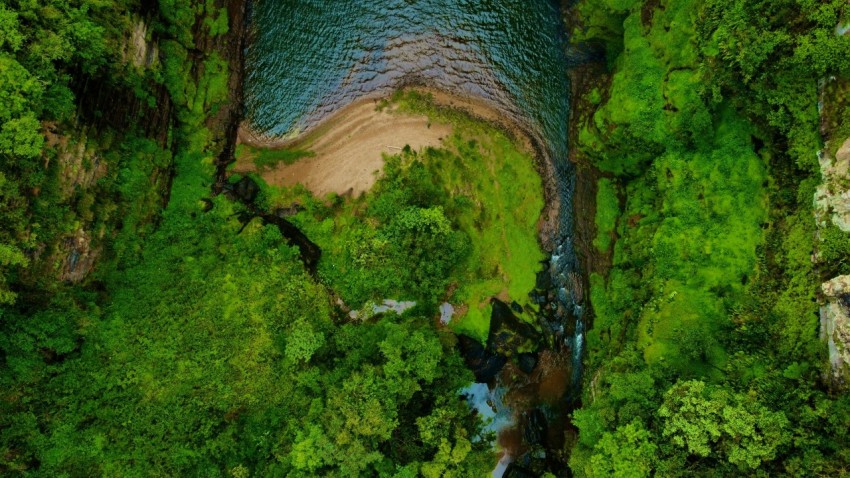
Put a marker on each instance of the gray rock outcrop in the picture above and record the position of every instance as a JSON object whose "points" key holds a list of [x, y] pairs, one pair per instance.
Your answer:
{"points": [[832, 198], [835, 327]]}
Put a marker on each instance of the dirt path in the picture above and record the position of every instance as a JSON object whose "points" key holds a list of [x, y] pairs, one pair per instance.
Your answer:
{"points": [[349, 145]]}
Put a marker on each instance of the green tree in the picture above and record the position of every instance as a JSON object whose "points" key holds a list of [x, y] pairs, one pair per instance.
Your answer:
{"points": [[627, 453], [709, 421], [9, 256]]}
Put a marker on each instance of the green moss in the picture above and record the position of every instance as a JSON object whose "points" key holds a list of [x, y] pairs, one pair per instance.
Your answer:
{"points": [[595, 96], [834, 248], [213, 84], [215, 19], [607, 212]]}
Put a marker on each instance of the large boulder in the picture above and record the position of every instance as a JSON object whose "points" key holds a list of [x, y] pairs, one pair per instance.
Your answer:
{"points": [[835, 327], [508, 334], [832, 198], [527, 361], [536, 428], [246, 189], [485, 365]]}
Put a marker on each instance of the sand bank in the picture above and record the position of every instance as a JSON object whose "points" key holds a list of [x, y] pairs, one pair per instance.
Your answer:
{"points": [[349, 145]]}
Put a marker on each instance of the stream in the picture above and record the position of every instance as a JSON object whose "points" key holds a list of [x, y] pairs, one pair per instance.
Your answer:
{"points": [[307, 59]]}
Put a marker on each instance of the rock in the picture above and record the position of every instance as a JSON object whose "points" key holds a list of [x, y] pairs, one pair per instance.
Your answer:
{"points": [[137, 49], [536, 428], [832, 197], [79, 257], [544, 280], [835, 327], [393, 305], [80, 165], [246, 189], [285, 212], [509, 335], [538, 298], [527, 362], [447, 311], [485, 365]]}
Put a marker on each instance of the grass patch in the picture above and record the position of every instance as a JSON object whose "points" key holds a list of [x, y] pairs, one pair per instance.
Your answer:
{"points": [[501, 195], [265, 159], [607, 211]]}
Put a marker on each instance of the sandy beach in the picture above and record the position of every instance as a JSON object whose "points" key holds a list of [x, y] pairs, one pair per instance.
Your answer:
{"points": [[349, 146]]}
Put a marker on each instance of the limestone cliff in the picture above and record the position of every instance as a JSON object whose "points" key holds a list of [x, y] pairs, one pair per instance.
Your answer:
{"points": [[835, 327], [832, 199]]}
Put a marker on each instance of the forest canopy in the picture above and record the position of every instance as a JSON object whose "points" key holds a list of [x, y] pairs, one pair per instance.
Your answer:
{"points": [[704, 354], [155, 322]]}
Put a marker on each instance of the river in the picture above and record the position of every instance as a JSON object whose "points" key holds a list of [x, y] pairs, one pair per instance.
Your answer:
{"points": [[308, 58]]}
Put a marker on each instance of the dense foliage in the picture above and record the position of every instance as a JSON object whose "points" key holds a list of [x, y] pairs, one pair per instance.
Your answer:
{"points": [[704, 355], [208, 343], [39, 43], [200, 346], [455, 223]]}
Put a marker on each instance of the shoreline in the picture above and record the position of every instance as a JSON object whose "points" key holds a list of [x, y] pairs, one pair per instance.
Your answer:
{"points": [[476, 108]]}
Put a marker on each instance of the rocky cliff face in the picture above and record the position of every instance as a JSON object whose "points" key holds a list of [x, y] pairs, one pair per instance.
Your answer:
{"points": [[832, 199], [85, 154], [835, 327], [77, 152], [832, 209], [80, 166], [140, 49], [225, 122]]}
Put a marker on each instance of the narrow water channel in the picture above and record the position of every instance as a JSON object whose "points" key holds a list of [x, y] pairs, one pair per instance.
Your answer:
{"points": [[308, 58]]}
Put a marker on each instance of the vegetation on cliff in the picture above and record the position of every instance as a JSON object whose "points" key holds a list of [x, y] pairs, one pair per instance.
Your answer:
{"points": [[40, 44], [704, 355]]}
